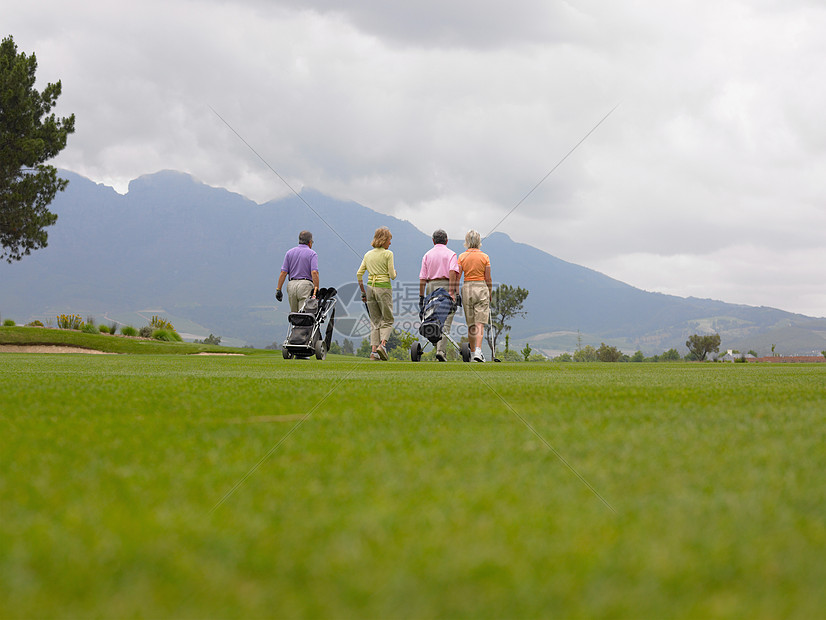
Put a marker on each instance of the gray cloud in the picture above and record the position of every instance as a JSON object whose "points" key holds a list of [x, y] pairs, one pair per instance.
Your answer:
{"points": [[448, 113]]}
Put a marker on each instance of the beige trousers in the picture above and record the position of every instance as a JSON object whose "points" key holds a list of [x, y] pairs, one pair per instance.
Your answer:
{"points": [[298, 291], [380, 307]]}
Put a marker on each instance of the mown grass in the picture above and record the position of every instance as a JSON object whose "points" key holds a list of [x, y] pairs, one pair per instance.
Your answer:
{"points": [[146, 486], [109, 343]]}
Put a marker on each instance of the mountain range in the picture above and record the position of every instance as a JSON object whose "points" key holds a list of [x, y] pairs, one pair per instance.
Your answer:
{"points": [[208, 259]]}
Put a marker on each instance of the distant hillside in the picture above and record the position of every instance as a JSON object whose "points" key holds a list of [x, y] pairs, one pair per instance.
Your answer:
{"points": [[208, 259]]}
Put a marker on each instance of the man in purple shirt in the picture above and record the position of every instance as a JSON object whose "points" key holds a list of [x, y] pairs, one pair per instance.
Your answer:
{"points": [[301, 265], [439, 269]]}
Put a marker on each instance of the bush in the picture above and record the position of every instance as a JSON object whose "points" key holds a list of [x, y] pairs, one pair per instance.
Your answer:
{"points": [[89, 328], [607, 353], [113, 328], [159, 323], [672, 355], [128, 330], [167, 335], [34, 323], [69, 321], [9, 323], [145, 331], [104, 329], [586, 354]]}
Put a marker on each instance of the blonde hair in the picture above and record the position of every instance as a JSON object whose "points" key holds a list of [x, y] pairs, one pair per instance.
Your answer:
{"points": [[473, 239], [381, 237]]}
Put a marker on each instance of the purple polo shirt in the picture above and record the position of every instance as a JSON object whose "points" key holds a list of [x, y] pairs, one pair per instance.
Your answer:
{"points": [[300, 262]]}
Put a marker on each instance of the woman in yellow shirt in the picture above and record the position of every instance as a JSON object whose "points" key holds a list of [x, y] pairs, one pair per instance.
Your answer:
{"points": [[378, 263]]}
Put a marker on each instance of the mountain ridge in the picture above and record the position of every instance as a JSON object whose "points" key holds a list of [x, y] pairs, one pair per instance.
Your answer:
{"points": [[210, 257]]}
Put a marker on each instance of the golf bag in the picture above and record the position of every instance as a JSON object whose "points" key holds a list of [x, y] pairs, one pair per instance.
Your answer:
{"points": [[437, 306], [304, 337]]}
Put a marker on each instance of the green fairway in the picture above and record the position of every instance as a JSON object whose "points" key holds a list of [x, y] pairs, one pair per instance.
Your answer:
{"points": [[29, 336], [180, 486]]}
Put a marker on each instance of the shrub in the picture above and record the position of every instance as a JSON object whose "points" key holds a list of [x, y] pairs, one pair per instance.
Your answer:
{"points": [[510, 355], [672, 355], [586, 354], [69, 321], [167, 335], [35, 323], [212, 340], [128, 330], [113, 328], [145, 331], [89, 328], [159, 323], [90, 320], [104, 329], [607, 353], [9, 323]]}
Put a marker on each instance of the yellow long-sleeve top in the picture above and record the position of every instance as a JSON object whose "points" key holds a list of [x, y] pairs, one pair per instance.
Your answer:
{"points": [[378, 263]]}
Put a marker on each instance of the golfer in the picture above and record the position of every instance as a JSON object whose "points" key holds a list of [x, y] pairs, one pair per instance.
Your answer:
{"points": [[378, 295], [439, 269], [301, 265], [476, 291]]}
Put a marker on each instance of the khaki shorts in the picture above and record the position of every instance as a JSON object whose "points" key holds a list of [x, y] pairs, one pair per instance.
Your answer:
{"points": [[476, 302]]}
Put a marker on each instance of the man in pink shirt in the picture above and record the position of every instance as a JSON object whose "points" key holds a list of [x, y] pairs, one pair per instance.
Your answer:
{"points": [[439, 269]]}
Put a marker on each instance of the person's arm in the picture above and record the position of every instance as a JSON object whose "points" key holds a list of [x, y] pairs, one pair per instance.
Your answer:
{"points": [[278, 294], [359, 275], [488, 281], [453, 274], [453, 286], [314, 272], [423, 276], [391, 270]]}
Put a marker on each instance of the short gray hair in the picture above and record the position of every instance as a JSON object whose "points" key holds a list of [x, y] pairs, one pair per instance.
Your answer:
{"points": [[440, 236], [305, 237], [473, 239]]}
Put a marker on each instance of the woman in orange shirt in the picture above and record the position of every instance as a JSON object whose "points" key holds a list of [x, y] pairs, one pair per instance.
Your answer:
{"points": [[476, 291]]}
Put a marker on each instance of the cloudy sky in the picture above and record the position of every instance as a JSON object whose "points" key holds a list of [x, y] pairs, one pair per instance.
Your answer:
{"points": [[707, 179]]}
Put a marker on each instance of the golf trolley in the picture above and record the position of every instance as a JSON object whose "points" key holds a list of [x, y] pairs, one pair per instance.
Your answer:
{"points": [[437, 306], [304, 338]]}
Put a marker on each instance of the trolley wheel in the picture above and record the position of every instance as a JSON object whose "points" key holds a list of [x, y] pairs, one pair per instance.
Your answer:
{"points": [[465, 350], [416, 352], [320, 350], [286, 354]]}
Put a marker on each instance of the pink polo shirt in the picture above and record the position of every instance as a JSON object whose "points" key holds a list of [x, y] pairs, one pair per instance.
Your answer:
{"points": [[438, 262]]}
